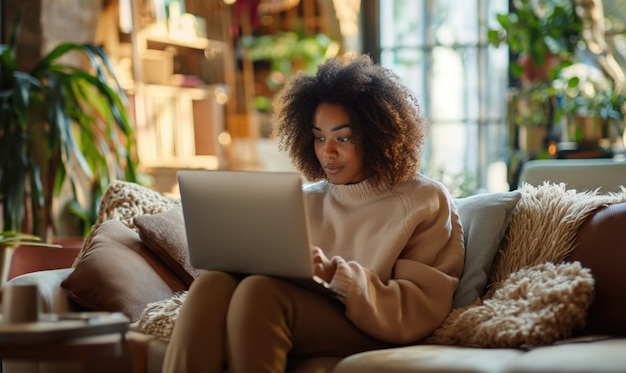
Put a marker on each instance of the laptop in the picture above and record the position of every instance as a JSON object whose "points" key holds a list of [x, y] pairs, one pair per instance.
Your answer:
{"points": [[249, 222]]}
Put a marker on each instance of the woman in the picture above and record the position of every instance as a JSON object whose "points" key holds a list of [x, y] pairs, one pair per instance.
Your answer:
{"points": [[386, 237]]}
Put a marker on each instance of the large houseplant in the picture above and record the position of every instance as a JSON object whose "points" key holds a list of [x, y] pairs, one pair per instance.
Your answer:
{"points": [[543, 34], [542, 37], [59, 125]]}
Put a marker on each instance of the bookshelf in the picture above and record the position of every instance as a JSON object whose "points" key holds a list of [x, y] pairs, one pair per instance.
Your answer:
{"points": [[177, 69]]}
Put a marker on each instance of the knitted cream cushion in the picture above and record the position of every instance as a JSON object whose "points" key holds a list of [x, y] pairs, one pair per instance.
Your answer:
{"points": [[123, 201]]}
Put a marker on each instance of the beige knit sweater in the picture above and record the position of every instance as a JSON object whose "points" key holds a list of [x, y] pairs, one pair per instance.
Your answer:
{"points": [[399, 253]]}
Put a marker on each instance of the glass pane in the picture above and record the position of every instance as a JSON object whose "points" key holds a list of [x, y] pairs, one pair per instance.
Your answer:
{"points": [[402, 23], [455, 22], [410, 66], [615, 23], [495, 91], [495, 7], [439, 49], [448, 85]]}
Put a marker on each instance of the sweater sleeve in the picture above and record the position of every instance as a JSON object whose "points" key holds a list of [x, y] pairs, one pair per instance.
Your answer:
{"points": [[418, 297]]}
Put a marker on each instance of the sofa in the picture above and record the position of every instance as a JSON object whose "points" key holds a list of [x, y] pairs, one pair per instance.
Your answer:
{"points": [[543, 288]]}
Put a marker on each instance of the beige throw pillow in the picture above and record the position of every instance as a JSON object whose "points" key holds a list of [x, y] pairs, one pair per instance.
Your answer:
{"points": [[535, 306]]}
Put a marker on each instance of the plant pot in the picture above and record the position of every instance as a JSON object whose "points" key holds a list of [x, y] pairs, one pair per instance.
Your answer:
{"points": [[532, 138], [587, 130], [25, 258], [532, 72]]}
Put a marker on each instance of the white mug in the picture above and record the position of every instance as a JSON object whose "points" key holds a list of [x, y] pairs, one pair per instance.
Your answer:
{"points": [[20, 303]]}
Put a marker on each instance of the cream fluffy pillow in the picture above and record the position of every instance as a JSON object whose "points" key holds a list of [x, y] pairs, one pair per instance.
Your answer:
{"points": [[535, 306]]}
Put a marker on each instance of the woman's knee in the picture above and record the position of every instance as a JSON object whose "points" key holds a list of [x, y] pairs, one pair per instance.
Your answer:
{"points": [[258, 291], [219, 284]]}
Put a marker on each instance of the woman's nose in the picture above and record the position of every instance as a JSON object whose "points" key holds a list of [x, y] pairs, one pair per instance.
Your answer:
{"points": [[330, 149]]}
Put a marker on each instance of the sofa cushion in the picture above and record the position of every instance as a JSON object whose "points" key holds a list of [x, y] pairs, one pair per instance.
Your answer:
{"points": [[123, 201], [428, 359], [53, 298], [117, 273], [164, 234], [485, 218], [601, 356], [601, 247]]}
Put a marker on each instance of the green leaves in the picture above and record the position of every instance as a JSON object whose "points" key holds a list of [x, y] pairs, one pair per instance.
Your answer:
{"points": [[58, 123], [285, 49], [536, 29], [14, 238]]}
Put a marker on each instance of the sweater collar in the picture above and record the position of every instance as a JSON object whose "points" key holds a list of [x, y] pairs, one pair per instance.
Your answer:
{"points": [[351, 194]]}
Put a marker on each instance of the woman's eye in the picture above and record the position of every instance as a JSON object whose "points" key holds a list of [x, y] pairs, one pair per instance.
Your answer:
{"points": [[343, 139], [319, 138]]}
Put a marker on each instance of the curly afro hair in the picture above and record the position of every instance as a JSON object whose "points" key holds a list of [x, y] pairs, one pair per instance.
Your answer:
{"points": [[384, 116]]}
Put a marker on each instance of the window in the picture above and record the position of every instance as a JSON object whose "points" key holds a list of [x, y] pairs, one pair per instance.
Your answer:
{"points": [[439, 49]]}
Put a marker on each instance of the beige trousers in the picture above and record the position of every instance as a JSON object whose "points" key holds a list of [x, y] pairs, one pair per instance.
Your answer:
{"points": [[255, 324]]}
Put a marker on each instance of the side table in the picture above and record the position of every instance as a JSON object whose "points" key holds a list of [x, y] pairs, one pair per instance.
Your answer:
{"points": [[91, 339]]}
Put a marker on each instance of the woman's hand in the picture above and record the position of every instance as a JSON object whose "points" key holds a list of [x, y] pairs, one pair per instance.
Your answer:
{"points": [[324, 268]]}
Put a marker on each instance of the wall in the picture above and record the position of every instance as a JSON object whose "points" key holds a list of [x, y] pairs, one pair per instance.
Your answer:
{"points": [[46, 23]]}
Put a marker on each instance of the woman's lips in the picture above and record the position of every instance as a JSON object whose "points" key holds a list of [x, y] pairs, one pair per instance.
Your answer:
{"points": [[333, 169]]}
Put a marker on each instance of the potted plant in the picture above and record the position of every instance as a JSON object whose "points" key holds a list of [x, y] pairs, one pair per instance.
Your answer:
{"points": [[588, 103], [542, 37], [59, 124], [530, 111], [12, 241], [288, 52], [543, 34]]}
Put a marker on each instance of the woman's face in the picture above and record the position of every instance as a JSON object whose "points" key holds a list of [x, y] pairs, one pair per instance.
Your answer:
{"points": [[338, 153]]}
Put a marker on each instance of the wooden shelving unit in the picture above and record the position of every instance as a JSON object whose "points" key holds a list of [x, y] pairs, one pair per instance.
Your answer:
{"points": [[179, 123], [179, 81]]}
